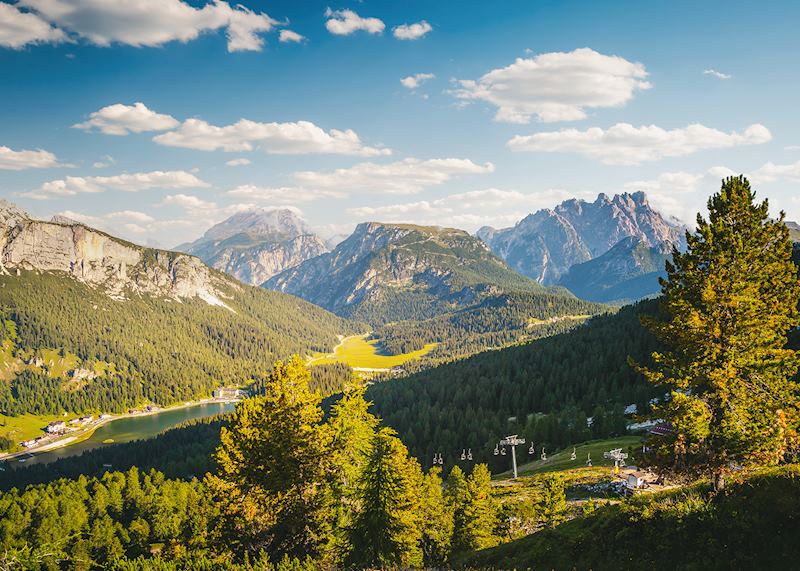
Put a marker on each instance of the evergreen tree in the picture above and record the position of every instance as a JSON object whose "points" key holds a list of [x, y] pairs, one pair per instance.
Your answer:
{"points": [[437, 520], [552, 501], [475, 513], [353, 431], [730, 299], [386, 529], [274, 467]]}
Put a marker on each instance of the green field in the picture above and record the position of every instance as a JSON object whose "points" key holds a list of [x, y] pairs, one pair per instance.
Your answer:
{"points": [[561, 460], [26, 426], [360, 353]]}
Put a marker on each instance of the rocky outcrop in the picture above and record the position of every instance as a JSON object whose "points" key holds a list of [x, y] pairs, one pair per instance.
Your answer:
{"points": [[255, 245], [102, 261], [544, 245], [388, 272]]}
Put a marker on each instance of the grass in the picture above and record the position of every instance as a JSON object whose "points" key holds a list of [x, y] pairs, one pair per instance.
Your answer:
{"points": [[561, 461], [26, 426], [360, 353]]}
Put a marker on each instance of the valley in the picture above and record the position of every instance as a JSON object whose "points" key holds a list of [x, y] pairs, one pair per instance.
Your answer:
{"points": [[365, 355]]}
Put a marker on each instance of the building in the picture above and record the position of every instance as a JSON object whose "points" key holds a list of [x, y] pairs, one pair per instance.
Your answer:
{"points": [[57, 427], [228, 393]]}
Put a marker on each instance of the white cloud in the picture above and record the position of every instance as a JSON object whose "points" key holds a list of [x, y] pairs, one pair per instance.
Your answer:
{"points": [[717, 74], [18, 29], [238, 162], [298, 138], [12, 160], [413, 31], [414, 81], [133, 182], [188, 201], [106, 162], [280, 195], [120, 119], [624, 144], [770, 172], [153, 22], [556, 86], [679, 194], [791, 148], [403, 177], [346, 22], [288, 36]]}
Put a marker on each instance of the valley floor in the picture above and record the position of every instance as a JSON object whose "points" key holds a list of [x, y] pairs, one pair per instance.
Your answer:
{"points": [[364, 355]]}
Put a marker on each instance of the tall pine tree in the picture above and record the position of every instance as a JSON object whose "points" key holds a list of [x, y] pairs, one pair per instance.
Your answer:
{"points": [[274, 466], [730, 299], [386, 530]]}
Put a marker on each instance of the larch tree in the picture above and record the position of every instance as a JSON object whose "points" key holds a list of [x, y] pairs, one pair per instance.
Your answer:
{"points": [[551, 504], [274, 466], [729, 301], [436, 520], [386, 530]]}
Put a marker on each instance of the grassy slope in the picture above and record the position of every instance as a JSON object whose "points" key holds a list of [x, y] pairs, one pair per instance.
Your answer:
{"points": [[753, 525], [358, 352]]}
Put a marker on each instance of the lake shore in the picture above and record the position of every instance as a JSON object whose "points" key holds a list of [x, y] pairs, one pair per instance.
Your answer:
{"points": [[84, 433]]}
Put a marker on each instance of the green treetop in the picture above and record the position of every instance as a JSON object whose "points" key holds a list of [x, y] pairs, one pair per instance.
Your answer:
{"points": [[274, 468], [730, 299]]}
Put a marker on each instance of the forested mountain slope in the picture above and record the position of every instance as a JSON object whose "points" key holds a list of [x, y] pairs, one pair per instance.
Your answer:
{"points": [[393, 272], [90, 322], [548, 387], [254, 245]]}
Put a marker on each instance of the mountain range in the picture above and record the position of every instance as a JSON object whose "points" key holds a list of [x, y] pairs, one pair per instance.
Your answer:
{"points": [[254, 245], [545, 245], [393, 272], [90, 322]]}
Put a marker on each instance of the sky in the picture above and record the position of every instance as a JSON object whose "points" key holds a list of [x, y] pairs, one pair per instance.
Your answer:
{"points": [[154, 119]]}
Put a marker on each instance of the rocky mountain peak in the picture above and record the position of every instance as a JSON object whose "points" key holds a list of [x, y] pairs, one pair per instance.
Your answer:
{"points": [[10, 213], [279, 222]]}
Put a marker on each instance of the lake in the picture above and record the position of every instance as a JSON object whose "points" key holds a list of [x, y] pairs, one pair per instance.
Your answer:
{"points": [[130, 428]]}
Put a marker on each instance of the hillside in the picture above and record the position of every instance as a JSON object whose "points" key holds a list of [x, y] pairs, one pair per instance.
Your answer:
{"points": [[544, 390], [392, 272], [627, 272], [547, 243], [753, 525], [254, 245], [94, 323]]}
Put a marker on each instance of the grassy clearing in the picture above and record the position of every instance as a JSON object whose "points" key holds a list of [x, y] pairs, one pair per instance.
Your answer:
{"points": [[360, 353], [26, 426], [561, 460]]}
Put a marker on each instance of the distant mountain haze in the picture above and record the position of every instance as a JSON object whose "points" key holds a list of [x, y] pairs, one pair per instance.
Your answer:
{"points": [[254, 245]]}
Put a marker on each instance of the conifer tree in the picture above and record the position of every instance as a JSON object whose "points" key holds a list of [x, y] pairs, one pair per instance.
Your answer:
{"points": [[437, 520], [386, 529], [274, 466], [475, 511], [730, 300], [551, 505], [457, 498]]}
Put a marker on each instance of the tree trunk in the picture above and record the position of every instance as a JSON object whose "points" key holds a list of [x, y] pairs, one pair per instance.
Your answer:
{"points": [[718, 480]]}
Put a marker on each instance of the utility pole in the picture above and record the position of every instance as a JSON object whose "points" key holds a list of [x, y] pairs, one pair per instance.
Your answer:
{"points": [[513, 441]]}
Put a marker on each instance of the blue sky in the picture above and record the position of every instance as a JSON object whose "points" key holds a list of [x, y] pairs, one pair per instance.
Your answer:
{"points": [[506, 107]]}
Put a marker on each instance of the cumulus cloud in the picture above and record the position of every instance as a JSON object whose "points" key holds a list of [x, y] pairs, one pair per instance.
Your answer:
{"points": [[133, 182], [298, 138], [770, 172], [12, 160], [624, 144], [288, 36], [152, 22], [280, 195], [556, 86], [402, 177], [717, 74], [414, 81], [346, 22], [679, 194], [412, 31], [120, 119], [106, 162], [18, 28], [238, 162]]}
